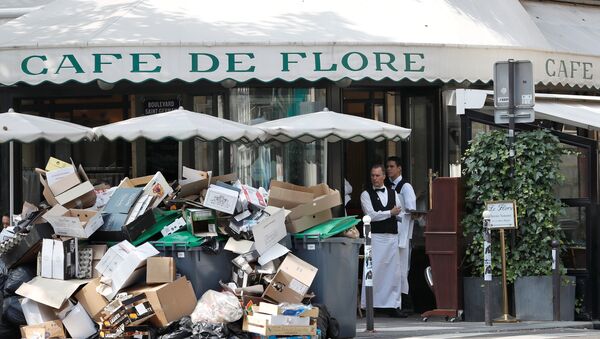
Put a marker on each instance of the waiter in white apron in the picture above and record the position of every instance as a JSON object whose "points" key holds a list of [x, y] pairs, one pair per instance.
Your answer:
{"points": [[383, 206], [408, 203]]}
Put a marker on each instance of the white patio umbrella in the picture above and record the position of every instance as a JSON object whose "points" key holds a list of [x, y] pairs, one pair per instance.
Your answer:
{"points": [[27, 128], [331, 126], [179, 124]]}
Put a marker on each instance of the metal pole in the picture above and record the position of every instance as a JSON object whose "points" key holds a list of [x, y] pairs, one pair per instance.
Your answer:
{"points": [[487, 265], [511, 115], [368, 268], [179, 160], [507, 318], [11, 180], [555, 280]]}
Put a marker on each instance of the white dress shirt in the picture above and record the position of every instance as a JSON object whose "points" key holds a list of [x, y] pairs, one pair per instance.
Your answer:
{"points": [[367, 207], [408, 199]]}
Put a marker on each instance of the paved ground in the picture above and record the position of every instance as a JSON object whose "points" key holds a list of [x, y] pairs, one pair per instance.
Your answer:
{"points": [[413, 327]]}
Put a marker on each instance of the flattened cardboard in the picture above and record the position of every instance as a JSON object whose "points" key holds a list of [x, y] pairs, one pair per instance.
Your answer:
{"points": [[292, 280], [269, 231], [221, 199], [51, 292], [49, 329], [74, 222], [54, 163], [92, 301], [160, 270], [170, 301], [239, 246], [125, 264]]}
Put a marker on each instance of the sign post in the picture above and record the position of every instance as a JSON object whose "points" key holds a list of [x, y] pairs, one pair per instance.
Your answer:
{"points": [[487, 265], [368, 268], [503, 215]]}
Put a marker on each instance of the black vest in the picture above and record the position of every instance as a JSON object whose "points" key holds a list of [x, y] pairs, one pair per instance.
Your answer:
{"points": [[388, 183], [388, 225]]}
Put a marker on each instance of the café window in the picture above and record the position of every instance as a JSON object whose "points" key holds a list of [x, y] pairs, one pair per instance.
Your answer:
{"points": [[295, 162]]}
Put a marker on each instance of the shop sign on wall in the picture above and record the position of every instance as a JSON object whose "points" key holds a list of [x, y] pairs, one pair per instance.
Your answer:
{"points": [[160, 106]]}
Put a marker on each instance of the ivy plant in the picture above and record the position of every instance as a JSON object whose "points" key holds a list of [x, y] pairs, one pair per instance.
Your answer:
{"points": [[536, 174]]}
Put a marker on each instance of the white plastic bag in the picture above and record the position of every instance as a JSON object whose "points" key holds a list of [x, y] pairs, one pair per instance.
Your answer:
{"points": [[217, 307]]}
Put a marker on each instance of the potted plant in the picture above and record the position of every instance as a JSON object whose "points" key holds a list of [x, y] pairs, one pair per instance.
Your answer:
{"points": [[529, 256]]}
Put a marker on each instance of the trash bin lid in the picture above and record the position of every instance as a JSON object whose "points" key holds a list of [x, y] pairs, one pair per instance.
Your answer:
{"points": [[183, 238], [328, 228]]}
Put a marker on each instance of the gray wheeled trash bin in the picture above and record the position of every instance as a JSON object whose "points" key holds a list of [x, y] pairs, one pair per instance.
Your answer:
{"points": [[202, 268], [336, 283]]}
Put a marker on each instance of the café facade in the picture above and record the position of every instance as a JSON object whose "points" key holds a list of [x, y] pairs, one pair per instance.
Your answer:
{"points": [[425, 66]]}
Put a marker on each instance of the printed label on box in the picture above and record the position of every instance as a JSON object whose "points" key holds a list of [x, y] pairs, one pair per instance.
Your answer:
{"points": [[298, 287]]}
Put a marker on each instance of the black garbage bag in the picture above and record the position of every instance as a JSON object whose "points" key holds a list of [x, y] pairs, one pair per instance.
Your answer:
{"points": [[9, 331], [13, 313], [210, 331], [16, 277], [3, 274], [236, 332], [329, 326], [177, 330]]}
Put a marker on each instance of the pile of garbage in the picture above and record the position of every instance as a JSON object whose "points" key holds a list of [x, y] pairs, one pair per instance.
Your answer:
{"points": [[203, 257]]}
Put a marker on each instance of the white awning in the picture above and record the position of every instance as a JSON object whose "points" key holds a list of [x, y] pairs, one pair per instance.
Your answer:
{"points": [[163, 40], [583, 115], [577, 110]]}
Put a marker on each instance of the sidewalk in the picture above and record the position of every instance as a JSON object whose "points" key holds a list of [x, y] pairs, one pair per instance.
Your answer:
{"points": [[413, 326]]}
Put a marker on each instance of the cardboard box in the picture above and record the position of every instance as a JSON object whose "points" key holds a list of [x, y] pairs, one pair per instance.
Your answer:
{"points": [[73, 222], [305, 211], [59, 258], [78, 322], [27, 249], [223, 199], [292, 280], [92, 301], [98, 253], [201, 222], [133, 310], [36, 313], [82, 195], [49, 329], [160, 270], [51, 292], [155, 186], [125, 264], [259, 324], [274, 309], [269, 231], [62, 179], [170, 301]]}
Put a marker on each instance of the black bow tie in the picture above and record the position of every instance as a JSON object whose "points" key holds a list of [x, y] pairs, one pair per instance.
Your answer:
{"points": [[379, 189]]}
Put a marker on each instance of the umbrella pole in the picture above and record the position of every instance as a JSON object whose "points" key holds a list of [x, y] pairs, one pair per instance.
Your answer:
{"points": [[11, 179], [179, 160]]}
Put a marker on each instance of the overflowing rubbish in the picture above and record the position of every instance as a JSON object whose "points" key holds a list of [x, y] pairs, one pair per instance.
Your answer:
{"points": [[204, 257]]}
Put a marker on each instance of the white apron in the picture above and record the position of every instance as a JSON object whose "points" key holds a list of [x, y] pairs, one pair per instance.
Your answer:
{"points": [[386, 272], [405, 228]]}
